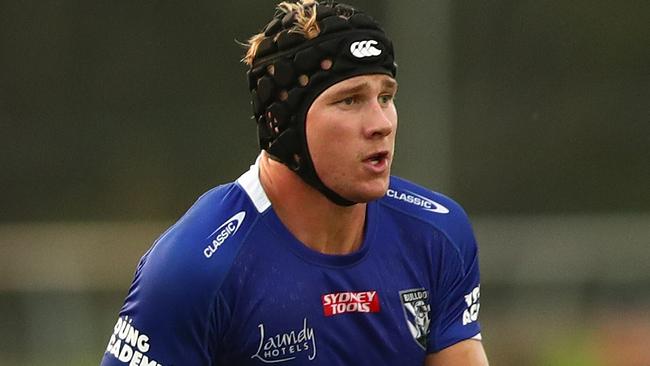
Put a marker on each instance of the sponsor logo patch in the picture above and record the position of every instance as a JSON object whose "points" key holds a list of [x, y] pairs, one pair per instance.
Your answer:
{"points": [[350, 302], [418, 313], [286, 346], [361, 49], [472, 300], [129, 345], [424, 203], [223, 232]]}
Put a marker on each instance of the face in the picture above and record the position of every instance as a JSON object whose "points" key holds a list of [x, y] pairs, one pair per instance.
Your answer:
{"points": [[351, 136]]}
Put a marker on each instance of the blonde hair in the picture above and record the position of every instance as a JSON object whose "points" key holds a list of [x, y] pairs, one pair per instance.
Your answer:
{"points": [[304, 23]]}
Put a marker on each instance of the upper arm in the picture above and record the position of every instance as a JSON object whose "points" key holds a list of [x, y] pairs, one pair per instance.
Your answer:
{"points": [[163, 321], [175, 312], [456, 300], [172, 313], [466, 353]]}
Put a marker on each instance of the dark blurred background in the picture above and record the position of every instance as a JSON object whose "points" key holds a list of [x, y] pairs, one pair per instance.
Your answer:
{"points": [[535, 115]]}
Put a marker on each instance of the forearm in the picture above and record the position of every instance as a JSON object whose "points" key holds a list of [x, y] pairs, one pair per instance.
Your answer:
{"points": [[466, 353]]}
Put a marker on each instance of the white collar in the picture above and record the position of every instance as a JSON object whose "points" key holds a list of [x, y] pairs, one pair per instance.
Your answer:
{"points": [[250, 182]]}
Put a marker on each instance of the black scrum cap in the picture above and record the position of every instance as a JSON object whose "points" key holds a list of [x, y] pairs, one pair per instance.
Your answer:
{"points": [[289, 71]]}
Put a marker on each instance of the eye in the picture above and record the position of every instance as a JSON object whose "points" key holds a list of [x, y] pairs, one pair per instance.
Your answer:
{"points": [[348, 101], [385, 99]]}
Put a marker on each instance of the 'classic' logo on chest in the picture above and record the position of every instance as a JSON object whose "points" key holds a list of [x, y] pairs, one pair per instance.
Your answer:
{"points": [[286, 346], [351, 302]]}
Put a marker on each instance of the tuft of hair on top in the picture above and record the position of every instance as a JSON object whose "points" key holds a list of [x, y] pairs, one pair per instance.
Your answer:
{"points": [[304, 23]]}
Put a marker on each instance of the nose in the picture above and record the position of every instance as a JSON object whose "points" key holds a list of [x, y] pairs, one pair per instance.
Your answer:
{"points": [[381, 120]]}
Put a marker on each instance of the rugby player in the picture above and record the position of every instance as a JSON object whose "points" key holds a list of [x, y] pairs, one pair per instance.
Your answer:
{"points": [[316, 255]]}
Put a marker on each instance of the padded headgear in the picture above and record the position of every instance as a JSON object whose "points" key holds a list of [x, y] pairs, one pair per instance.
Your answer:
{"points": [[289, 71]]}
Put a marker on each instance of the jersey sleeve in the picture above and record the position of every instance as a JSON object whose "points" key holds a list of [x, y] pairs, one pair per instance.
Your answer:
{"points": [[457, 298], [173, 314]]}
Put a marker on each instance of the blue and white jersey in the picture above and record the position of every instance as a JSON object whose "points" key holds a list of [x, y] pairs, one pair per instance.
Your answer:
{"points": [[228, 284]]}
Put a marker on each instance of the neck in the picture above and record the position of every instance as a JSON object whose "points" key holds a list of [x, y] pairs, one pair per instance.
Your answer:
{"points": [[313, 219]]}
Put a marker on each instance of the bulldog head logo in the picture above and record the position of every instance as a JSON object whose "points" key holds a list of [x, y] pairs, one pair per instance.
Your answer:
{"points": [[417, 313]]}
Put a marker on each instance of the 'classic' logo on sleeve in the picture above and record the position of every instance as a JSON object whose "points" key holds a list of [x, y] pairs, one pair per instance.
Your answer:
{"points": [[223, 232]]}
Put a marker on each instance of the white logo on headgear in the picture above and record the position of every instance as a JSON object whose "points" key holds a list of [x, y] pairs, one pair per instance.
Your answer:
{"points": [[361, 49]]}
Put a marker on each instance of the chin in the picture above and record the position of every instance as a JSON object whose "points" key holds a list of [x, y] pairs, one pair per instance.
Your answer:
{"points": [[372, 192]]}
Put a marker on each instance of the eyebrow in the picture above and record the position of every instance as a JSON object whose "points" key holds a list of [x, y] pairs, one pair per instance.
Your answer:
{"points": [[389, 83], [353, 89], [386, 83]]}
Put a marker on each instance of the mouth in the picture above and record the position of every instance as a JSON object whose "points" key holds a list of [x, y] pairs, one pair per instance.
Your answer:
{"points": [[378, 160]]}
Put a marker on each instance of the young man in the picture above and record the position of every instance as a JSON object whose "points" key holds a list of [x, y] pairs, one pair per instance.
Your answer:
{"points": [[316, 255]]}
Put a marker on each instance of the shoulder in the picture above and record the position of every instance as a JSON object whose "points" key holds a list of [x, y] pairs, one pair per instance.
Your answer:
{"points": [[432, 207], [175, 298], [432, 211], [201, 245]]}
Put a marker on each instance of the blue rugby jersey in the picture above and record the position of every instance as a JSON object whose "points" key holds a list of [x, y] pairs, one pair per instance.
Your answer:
{"points": [[228, 284]]}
